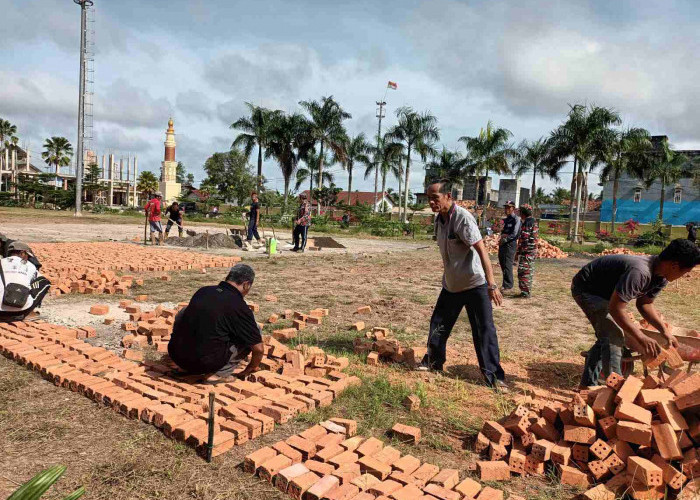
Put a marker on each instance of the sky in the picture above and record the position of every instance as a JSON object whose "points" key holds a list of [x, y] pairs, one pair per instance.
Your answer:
{"points": [[519, 63]]}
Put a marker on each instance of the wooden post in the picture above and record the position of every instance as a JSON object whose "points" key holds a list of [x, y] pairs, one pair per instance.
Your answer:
{"points": [[207, 239], [210, 421]]}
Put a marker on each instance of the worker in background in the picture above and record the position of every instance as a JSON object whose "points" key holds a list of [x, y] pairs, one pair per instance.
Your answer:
{"points": [[174, 213], [153, 209], [692, 232], [468, 283], [527, 250], [22, 287], [508, 244], [217, 330], [604, 287], [253, 218], [301, 224]]}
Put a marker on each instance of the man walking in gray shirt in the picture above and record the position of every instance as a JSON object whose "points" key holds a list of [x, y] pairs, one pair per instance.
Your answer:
{"points": [[467, 282]]}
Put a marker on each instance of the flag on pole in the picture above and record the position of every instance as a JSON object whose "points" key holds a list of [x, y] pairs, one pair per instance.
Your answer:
{"points": [[391, 85]]}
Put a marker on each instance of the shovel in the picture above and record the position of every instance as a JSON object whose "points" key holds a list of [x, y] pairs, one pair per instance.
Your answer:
{"points": [[189, 232]]}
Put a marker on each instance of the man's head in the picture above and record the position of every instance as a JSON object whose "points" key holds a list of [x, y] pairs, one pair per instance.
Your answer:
{"points": [[302, 197], [158, 195], [509, 207], [440, 196], [241, 276], [525, 212], [175, 204], [254, 197], [678, 259], [19, 249]]}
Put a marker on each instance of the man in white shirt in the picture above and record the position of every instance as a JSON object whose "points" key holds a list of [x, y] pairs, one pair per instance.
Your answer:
{"points": [[22, 287]]}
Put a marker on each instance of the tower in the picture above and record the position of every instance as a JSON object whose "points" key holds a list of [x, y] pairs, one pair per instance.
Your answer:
{"points": [[168, 170]]}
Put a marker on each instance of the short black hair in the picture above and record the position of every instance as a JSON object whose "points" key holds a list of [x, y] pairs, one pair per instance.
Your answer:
{"points": [[526, 211], [15, 253], [241, 273], [445, 185], [684, 252]]}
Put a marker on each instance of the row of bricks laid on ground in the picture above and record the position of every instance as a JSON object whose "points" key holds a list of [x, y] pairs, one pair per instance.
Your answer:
{"points": [[176, 405], [328, 461], [379, 345], [89, 267], [633, 436]]}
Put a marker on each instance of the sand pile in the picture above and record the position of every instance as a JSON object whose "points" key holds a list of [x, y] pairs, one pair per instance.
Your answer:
{"points": [[218, 240]]}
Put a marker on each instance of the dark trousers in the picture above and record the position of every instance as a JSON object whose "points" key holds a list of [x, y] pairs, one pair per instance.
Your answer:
{"points": [[506, 257], [253, 231], [478, 305], [299, 235]]}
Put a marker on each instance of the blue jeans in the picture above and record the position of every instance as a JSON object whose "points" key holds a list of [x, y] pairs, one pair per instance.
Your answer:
{"points": [[606, 354], [253, 231], [478, 305], [300, 235]]}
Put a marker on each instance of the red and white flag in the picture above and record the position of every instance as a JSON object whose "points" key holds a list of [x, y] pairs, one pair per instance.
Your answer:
{"points": [[391, 85]]}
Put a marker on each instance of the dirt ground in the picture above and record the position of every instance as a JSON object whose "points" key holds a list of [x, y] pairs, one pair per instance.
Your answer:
{"points": [[540, 338]]}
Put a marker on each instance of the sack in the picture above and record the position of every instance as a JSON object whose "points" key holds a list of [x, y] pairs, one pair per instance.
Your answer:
{"points": [[16, 295]]}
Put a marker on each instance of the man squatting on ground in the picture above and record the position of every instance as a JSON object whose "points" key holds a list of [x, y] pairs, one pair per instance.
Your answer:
{"points": [[217, 329], [301, 224], [604, 287], [254, 218], [22, 287], [152, 209], [527, 250], [468, 282], [508, 244]]}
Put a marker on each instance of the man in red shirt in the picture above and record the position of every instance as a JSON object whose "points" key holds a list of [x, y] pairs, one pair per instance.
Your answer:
{"points": [[153, 214]]}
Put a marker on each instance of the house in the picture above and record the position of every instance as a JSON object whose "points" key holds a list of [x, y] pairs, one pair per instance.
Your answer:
{"points": [[360, 198], [636, 201], [16, 164]]}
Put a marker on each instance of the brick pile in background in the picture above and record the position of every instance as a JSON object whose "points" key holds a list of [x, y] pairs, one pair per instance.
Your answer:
{"points": [[176, 405], [630, 437], [328, 461], [379, 345], [148, 327], [545, 250], [91, 267]]}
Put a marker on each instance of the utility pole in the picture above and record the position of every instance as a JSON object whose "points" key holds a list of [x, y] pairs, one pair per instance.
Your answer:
{"points": [[380, 115]]}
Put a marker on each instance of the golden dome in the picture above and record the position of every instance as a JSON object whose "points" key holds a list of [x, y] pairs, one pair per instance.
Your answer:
{"points": [[170, 124]]}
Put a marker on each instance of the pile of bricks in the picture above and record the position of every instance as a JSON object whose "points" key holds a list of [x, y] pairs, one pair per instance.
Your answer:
{"points": [[299, 321], [329, 461], [629, 437], [620, 251], [378, 345], [176, 405], [90, 267], [545, 250], [148, 327]]}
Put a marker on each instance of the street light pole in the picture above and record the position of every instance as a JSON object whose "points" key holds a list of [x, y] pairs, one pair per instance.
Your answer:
{"points": [[380, 115]]}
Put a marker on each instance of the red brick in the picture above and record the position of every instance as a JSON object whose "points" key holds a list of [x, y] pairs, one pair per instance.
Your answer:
{"points": [[645, 471], [272, 466], [298, 485], [666, 442], [441, 493], [560, 454], [370, 465], [257, 458], [99, 309], [629, 390], [406, 464], [493, 471], [573, 477], [469, 488], [406, 434], [583, 435], [489, 493], [671, 476], [632, 413], [284, 476]]}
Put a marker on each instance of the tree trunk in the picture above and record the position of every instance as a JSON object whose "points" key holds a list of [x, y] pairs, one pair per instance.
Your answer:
{"points": [[486, 199], [399, 177], [574, 186], [383, 189], [613, 215], [320, 175], [579, 190], [376, 183], [533, 189], [286, 194], [350, 183], [406, 184], [259, 167], [311, 184], [661, 201]]}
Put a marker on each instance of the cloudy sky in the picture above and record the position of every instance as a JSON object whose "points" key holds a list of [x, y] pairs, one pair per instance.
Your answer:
{"points": [[518, 63]]}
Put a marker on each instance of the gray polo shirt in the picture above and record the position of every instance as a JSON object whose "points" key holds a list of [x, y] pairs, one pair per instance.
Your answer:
{"points": [[456, 237]]}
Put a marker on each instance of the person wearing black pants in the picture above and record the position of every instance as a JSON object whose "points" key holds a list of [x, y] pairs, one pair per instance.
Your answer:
{"points": [[301, 224], [508, 244]]}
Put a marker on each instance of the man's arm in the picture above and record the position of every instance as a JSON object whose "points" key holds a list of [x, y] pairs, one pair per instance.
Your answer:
{"points": [[516, 231], [645, 345], [645, 306], [494, 294], [256, 355]]}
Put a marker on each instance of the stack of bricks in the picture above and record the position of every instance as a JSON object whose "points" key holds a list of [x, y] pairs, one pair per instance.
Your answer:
{"points": [[379, 345], [176, 405], [300, 360], [148, 327], [630, 436], [299, 322], [90, 267], [328, 461]]}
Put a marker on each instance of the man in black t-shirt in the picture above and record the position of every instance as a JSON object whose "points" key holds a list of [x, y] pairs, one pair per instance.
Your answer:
{"points": [[217, 329], [254, 216], [174, 215], [604, 287]]}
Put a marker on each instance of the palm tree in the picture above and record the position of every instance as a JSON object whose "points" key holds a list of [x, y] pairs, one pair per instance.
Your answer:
{"points": [[668, 167], [584, 136], [356, 151], [628, 153], [388, 158], [7, 137], [57, 152], [147, 183], [417, 132], [448, 165], [488, 152], [540, 197], [290, 142], [536, 156], [256, 132], [326, 126], [310, 173]]}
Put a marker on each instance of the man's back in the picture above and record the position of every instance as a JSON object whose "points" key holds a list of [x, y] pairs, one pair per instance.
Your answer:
{"points": [[216, 318], [19, 271]]}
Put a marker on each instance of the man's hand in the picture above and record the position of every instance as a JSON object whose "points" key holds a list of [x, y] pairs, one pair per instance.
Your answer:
{"points": [[672, 341], [495, 296], [651, 347]]}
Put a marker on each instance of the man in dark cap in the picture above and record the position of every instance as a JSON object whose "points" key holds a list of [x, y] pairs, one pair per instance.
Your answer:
{"points": [[508, 244]]}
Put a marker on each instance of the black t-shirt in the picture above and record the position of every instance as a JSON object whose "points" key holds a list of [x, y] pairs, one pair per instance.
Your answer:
{"points": [[174, 213], [254, 207], [216, 318], [631, 276]]}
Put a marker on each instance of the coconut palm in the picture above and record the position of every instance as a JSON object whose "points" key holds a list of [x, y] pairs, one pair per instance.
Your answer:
{"points": [[536, 156], [488, 152], [584, 135], [310, 173], [668, 167], [418, 132], [387, 159], [326, 128], [256, 132], [57, 153], [7, 138], [147, 182], [356, 151], [447, 165], [629, 153], [290, 142]]}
